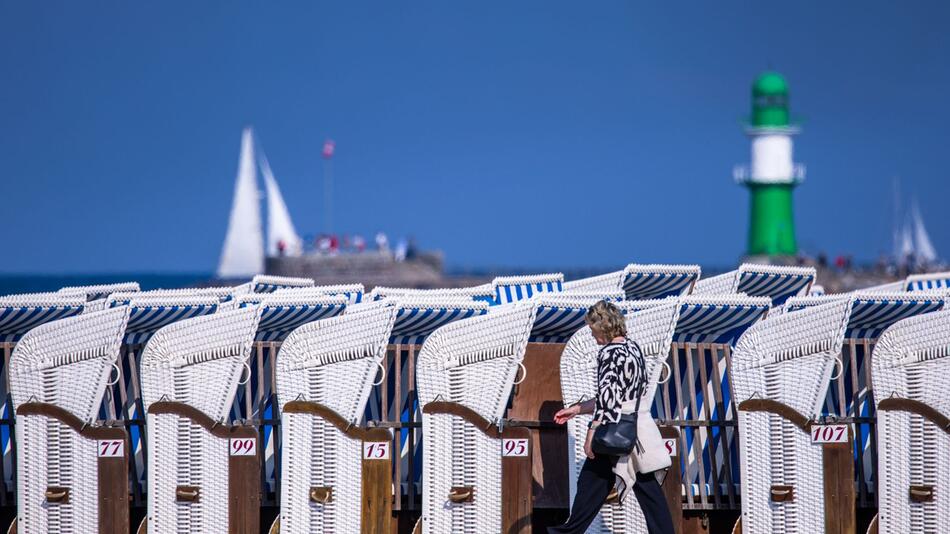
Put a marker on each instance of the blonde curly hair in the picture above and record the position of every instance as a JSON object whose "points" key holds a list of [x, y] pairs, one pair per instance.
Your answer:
{"points": [[606, 317]]}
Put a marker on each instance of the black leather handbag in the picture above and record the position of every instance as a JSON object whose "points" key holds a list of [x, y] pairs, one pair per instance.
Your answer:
{"points": [[617, 439]]}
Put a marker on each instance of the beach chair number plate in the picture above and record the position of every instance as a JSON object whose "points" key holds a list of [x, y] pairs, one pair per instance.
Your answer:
{"points": [[514, 447], [829, 434], [670, 446], [110, 448], [243, 446], [376, 450]]}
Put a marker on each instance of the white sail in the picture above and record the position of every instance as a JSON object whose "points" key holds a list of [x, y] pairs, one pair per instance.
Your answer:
{"points": [[243, 252], [906, 244], [923, 247], [279, 226]]}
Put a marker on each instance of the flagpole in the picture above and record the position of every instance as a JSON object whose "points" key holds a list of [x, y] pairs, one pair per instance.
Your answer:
{"points": [[327, 195]]}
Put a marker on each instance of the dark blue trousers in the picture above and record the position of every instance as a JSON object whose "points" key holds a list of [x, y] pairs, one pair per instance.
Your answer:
{"points": [[594, 484]]}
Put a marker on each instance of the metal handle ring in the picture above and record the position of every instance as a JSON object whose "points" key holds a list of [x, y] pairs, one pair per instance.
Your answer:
{"points": [[524, 373], [840, 366], [248, 379], [382, 374], [118, 375], [669, 373]]}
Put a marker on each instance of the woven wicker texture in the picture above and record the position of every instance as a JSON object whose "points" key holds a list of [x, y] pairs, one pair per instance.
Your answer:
{"points": [[472, 362], [911, 361], [332, 362], [66, 363], [100, 291], [788, 358], [352, 292], [199, 361], [652, 329], [483, 292], [52, 454]]}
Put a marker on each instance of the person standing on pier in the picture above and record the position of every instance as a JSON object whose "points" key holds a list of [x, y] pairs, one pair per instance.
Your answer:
{"points": [[621, 384]]}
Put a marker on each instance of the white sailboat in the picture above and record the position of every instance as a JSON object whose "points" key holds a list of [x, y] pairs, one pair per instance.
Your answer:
{"points": [[243, 252], [280, 229], [924, 250]]}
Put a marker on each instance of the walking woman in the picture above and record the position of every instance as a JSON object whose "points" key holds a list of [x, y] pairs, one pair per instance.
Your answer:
{"points": [[621, 381]]}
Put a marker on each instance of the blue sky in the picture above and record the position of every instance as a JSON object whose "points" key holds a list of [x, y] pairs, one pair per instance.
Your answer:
{"points": [[529, 133]]}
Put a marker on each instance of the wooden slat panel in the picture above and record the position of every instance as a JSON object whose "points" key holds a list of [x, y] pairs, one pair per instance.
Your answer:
{"points": [[707, 410], [536, 400], [693, 404]]}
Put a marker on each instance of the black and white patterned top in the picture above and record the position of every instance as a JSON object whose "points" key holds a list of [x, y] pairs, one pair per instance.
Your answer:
{"points": [[621, 377]]}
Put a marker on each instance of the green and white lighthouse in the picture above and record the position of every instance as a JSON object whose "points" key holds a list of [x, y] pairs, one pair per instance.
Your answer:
{"points": [[772, 175]]}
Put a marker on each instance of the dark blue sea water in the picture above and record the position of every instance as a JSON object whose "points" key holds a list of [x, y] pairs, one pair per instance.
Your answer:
{"points": [[27, 283]]}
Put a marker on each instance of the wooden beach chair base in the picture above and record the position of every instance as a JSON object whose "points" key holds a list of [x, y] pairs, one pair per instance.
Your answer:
{"points": [[376, 482], [516, 479], [112, 470], [837, 469], [244, 498]]}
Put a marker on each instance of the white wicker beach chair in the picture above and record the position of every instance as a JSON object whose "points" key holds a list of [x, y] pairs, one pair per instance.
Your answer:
{"points": [[652, 329], [100, 291], [265, 283], [509, 289], [699, 389], [58, 375], [482, 293], [466, 371], [325, 371], [418, 315], [785, 364], [352, 292], [850, 395], [203, 475], [911, 374], [642, 282], [776, 282], [915, 282]]}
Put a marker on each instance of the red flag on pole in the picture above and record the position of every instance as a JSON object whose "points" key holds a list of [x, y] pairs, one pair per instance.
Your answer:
{"points": [[328, 147]]}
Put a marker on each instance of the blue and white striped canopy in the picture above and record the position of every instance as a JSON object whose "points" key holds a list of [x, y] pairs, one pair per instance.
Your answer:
{"points": [[100, 291], [642, 282], [510, 289], [149, 313], [420, 316], [283, 313], [712, 319], [352, 292], [871, 313], [926, 282], [264, 283], [20, 314], [559, 315], [777, 283]]}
